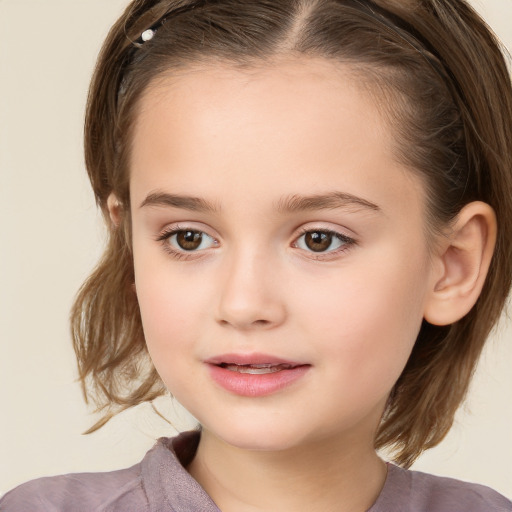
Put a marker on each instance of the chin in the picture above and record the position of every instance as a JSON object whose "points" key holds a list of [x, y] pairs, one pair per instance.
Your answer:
{"points": [[256, 436], [267, 442]]}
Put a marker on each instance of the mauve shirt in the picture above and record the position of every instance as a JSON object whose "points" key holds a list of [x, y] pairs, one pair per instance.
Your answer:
{"points": [[160, 483]]}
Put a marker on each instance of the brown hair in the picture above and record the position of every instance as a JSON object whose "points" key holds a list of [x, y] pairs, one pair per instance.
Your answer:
{"points": [[449, 99]]}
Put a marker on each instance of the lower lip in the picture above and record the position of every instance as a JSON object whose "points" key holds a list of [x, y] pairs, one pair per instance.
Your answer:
{"points": [[249, 384]]}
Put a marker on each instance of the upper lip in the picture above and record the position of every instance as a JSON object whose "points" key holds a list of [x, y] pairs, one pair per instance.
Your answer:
{"points": [[251, 359]]}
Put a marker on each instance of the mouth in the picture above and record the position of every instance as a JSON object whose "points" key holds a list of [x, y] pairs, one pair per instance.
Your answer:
{"points": [[257, 369], [256, 374]]}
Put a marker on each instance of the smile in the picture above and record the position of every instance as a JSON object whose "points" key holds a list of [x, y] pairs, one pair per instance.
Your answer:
{"points": [[256, 369], [254, 375]]}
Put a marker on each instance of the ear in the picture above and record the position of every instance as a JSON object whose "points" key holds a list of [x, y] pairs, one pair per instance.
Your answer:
{"points": [[461, 264], [114, 209]]}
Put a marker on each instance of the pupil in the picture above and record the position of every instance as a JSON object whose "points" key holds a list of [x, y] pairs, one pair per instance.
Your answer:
{"points": [[318, 241], [189, 240]]}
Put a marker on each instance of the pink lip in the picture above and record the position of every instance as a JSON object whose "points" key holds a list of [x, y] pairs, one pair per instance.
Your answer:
{"points": [[255, 358], [250, 384]]}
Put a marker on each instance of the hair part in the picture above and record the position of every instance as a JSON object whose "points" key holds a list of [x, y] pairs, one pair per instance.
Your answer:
{"points": [[448, 98]]}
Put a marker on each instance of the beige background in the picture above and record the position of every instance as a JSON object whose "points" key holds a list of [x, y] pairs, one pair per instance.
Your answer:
{"points": [[50, 237]]}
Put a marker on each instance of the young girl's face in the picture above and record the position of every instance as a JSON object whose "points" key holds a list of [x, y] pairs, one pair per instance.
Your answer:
{"points": [[281, 261]]}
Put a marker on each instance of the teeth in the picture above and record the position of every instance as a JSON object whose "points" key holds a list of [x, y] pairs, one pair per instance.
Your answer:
{"points": [[256, 369]]}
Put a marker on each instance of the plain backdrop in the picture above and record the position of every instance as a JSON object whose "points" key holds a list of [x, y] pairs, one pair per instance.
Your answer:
{"points": [[51, 236]]}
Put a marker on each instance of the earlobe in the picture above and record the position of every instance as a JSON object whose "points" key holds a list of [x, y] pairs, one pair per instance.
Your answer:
{"points": [[114, 209], [462, 264]]}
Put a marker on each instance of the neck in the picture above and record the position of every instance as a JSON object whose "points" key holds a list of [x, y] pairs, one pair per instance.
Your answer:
{"points": [[327, 475]]}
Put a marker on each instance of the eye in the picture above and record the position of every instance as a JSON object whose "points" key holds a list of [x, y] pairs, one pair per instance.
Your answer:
{"points": [[189, 240], [322, 241]]}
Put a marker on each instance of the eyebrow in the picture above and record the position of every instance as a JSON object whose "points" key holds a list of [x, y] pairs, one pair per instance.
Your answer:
{"points": [[329, 201], [195, 204], [291, 204]]}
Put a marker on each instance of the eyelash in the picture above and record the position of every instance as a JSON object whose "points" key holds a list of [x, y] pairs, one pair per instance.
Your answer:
{"points": [[347, 243], [176, 254]]}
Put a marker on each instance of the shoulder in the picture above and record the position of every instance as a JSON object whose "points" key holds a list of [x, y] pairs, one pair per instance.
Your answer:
{"points": [[159, 482], [422, 492], [109, 491], [442, 493]]}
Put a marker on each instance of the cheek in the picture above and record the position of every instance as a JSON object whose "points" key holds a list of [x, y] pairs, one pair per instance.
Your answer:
{"points": [[366, 320], [170, 305], [170, 318]]}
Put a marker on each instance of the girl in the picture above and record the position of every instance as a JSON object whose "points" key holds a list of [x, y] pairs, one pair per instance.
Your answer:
{"points": [[308, 204]]}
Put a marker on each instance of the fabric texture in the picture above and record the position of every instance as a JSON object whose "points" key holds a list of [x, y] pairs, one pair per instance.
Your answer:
{"points": [[160, 483]]}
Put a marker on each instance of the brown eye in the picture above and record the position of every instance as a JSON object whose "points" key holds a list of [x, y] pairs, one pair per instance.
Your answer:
{"points": [[322, 241], [189, 240], [318, 241]]}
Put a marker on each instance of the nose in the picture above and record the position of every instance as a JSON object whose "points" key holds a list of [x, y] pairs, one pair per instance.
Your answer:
{"points": [[250, 294]]}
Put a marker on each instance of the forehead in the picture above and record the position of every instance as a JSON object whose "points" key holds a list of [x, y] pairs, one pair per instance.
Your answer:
{"points": [[294, 122], [305, 90]]}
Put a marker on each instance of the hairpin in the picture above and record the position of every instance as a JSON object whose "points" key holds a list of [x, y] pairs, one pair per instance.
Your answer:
{"points": [[150, 32], [147, 35]]}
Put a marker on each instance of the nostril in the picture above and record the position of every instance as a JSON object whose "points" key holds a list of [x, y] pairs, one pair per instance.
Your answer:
{"points": [[253, 324], [261, 322]]}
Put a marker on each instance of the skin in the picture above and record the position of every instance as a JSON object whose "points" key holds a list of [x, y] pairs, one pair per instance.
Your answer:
{"points": [[239, 141]]}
